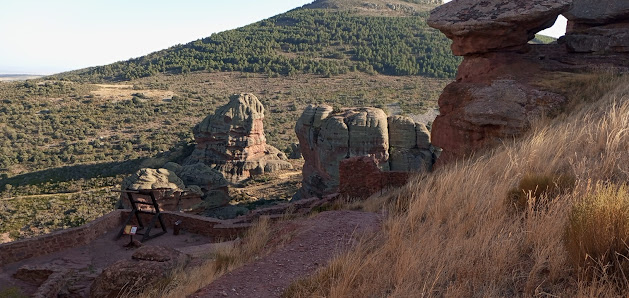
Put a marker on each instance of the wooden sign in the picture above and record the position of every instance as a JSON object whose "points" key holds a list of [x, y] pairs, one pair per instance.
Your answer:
{"points": [[130, 230]]}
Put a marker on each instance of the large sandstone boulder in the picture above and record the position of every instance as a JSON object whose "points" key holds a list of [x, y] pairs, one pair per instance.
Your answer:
{"points": [[326, 138], [147, 178], [598, 27], [202, 175], [493, 97], [476, 116], [198, 184], [483, 26], [165, 184], [232, 141], [148, 266], [598, 12]]}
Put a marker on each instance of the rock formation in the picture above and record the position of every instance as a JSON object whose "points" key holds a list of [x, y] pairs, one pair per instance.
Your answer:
{"points": [[147, 178], [327, 137], [497, 93], [233, 142], [477, 27], [493, 98], [149, 264], [183, 187], [598, 27]]}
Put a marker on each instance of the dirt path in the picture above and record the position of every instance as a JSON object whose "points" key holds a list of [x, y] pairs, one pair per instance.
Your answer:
{"points": [[319, 239]]}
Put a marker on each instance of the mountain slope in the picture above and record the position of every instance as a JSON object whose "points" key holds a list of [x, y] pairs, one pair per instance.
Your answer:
{"points": [[326, 37]]}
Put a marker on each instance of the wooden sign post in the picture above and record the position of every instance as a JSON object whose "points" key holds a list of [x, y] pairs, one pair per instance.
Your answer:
{"points": [[130, 230]]}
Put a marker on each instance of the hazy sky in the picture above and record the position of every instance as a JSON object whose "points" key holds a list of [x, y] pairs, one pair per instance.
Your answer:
{"points": [[45, 37]]}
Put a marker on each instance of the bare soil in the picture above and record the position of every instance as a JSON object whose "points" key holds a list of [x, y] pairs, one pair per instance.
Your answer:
{"points": [[88, 261], [317, 241]]}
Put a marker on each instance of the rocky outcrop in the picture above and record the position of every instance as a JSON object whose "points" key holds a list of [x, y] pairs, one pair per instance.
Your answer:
{"points": [[147, 178], [327, 137], [149, 265], [410, 148], [482, 26], [497, 93], [493, 98], [232, 141], [598, 27], [179, 187], [478, 115]]}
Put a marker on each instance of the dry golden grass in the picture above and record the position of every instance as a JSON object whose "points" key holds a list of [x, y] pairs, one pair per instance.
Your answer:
{"points": [[187, 281], [597, 233], [450, 234]]}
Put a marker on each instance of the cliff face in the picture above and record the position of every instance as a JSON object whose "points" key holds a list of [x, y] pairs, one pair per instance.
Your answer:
{"points": [[495, 96], [326, 138], [232, 141]]}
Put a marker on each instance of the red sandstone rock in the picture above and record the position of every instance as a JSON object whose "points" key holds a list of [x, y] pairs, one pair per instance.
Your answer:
{"points": [[232, 141], [493, 98], [474, 116], [360, 177], [483, 26]]}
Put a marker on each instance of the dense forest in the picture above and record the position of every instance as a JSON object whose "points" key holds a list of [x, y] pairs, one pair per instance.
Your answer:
{"points": [[301, 41]]}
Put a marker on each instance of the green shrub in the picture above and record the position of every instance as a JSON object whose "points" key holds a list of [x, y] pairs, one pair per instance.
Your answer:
{"points": [[12, 292], [533, 190], [597, 232]]}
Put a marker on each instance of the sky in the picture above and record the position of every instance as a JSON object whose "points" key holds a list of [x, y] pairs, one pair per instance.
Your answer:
{"points": [[46, 37]]}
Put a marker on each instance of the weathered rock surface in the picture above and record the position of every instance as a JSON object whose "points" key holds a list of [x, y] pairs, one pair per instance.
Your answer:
{"points": [[360, 177], [232, 141], [295, 151], [149, 264], [326, 138], [598, 12], [492, 98], [598, 27], [490, 25], [497, 93], [475, 115], [147, 178], [201, 175], [200, 184]]}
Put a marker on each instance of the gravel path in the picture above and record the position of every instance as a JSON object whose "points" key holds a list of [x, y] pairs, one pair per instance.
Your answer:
{"points": [[318, 240]]}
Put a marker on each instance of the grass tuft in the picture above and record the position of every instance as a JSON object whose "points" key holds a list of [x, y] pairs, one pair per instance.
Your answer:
{"points": [[597, 233], [535, 191]]}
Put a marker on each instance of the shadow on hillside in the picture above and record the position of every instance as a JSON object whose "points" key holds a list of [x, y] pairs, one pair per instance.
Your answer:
{"points": [[97, 170], [76, 172]]}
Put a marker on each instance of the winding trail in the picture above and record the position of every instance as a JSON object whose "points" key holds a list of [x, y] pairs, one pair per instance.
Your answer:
{"points": [[317, 241]]}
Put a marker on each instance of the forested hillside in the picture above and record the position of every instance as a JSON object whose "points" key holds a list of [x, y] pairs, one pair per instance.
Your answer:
{"points": [[317, 41]]}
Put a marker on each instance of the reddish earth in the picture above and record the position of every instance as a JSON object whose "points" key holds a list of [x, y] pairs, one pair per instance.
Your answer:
{"points": [[317, 241], [87, 261]]}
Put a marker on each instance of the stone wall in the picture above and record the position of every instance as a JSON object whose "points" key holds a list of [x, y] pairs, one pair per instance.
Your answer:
{"points": [[57, 241], [360, 177], [201, 225]]}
